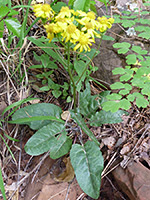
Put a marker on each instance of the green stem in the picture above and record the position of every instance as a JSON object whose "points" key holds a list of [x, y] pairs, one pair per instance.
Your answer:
{"points": [[71, 78], [89, 62]]}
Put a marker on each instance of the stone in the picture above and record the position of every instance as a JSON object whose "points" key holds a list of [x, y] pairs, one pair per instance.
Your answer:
{"points": [[134, 181]]}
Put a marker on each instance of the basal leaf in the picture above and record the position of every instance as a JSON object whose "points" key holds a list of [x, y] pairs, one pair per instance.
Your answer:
{"points": [[80, 121], [44, 139], [13, 25], [62, 146], [104, 117], [40, 109], [87, 161], [87, 103], [80, 67]]}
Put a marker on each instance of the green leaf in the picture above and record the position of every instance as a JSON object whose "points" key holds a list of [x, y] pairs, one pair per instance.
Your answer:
{"points": [[124, 47], [44, 139], [1, 29], [125, 104], [103, 96], [3, 11], [13, 25], [2, 185], [131, 97], [118, 70], [83, 5], [104, 1], [87, 161], [139, 50], [146, 89], [114, 96], [47, 48], [124, 92], [57, 7], [106, 37], [104, 117], [127, 86], [80, 67], [112, 106], [87, 103], [62, 146], [145, 35], [117, 85], [56, 93], [80, 121], [141, 102], [17, 104], [131, 59], [40, 109], [27, 120], [126, 77], [128, 23]]}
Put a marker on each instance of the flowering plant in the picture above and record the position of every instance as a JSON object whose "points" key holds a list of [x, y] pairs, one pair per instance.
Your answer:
{"points": [[75, 30]]}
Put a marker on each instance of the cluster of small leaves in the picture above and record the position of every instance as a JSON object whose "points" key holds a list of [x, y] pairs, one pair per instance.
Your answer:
{"points": [[134, 82], [134, 85], [52, 135], [139, 22]]}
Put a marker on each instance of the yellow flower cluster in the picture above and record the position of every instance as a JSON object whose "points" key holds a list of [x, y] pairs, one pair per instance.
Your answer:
{"points": [[77, 27]]}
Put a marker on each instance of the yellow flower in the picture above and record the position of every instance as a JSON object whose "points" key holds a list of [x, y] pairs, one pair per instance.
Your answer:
{"points": [[69, 32], [65, 12], [89, 28], [104, 23], [88, 17], [84, 41], [50, 31], [43, 10]]}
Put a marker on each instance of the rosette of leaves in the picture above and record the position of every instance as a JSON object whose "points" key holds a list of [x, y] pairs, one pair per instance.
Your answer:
{"points": [[51, 134]]}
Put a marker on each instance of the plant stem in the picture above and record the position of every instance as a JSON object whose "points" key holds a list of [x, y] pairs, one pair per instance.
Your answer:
{"points": [[71, 77], [89, 62]]}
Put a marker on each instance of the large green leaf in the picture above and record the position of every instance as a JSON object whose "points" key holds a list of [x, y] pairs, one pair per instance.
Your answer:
{"points": [[80, 121], [104, 117], [44, 139], [62, 146], [87, 161], [83, 5], [13, 25], [35, 110]]}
